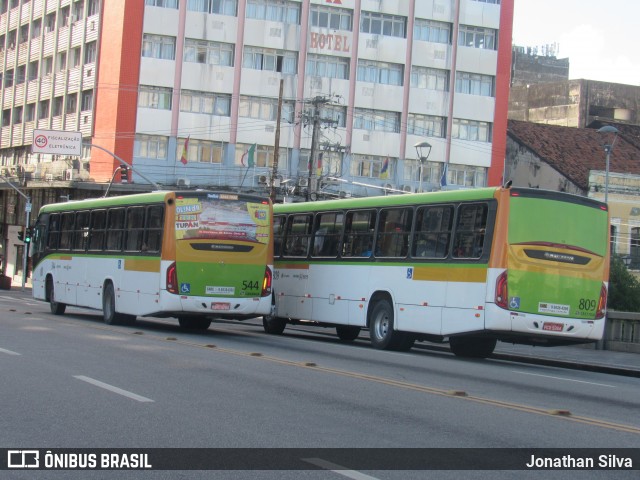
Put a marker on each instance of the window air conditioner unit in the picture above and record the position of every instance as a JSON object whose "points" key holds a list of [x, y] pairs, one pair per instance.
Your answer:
{"points": [[388, 186], [303, 182], [263, 179], [183, 182], [407, 188]]}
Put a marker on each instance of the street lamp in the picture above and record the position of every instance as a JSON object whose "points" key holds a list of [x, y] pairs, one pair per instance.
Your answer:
{"points": [[608, 148], [423, 158]]}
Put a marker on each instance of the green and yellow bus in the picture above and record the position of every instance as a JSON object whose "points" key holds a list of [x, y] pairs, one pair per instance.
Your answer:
{"points": [[194, 255], [469, 267]]}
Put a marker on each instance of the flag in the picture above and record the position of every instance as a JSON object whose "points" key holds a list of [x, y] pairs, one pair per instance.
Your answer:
{"points": [[443, 179], [249, 156], [319, 165], [384, 173], [185, 149]]}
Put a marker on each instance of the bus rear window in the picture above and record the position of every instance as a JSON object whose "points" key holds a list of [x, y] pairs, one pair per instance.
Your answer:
{"points": [[222, 217]]}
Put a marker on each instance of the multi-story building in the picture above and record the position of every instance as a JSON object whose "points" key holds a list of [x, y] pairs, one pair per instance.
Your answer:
{"points": [[362, 82]]}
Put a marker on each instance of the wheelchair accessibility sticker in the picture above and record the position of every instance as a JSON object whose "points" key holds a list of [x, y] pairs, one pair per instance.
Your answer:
{"points": [[409, 273], [514, 303], [185, 288]]}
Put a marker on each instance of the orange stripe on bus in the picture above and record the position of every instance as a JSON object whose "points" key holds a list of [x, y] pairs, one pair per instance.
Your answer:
{"points": [[450, 274], [140, 265]]}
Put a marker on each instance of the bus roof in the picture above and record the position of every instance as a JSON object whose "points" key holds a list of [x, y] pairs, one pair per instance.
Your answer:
{"points": [[137, 198], [391, 200]]}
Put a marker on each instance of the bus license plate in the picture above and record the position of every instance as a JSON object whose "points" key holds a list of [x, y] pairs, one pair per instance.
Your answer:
{"points": [[553, 327], [220, 306]]}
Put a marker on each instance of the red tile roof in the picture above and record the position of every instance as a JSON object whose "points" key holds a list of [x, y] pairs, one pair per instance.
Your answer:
{"points": [[575, 151]]}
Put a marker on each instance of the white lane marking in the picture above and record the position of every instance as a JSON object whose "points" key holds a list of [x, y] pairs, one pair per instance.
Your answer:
{"points": [[113, 389], [339, 469], [565, 379], [9, 352]]}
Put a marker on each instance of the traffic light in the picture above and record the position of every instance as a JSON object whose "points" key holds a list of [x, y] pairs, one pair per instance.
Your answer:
{"points": [[124, 174], [27, 235]]}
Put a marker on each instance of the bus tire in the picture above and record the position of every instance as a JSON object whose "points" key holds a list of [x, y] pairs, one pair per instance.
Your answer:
{"points": [[57, 308], [273, 325], [347, 333], [472, 347], [109, 314], [193, 322]]}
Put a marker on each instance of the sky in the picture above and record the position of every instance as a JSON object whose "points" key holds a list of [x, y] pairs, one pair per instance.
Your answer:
{"points": [[600, 37]]}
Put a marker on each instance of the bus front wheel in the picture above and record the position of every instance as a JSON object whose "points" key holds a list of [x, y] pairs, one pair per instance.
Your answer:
{"points": [[194, 322], [274, 325], [346, 333], [381, 331], [57, 308], [471, 347]]}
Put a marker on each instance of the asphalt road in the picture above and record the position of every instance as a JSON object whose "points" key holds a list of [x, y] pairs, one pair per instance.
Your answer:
{"points": [[73, 382]]}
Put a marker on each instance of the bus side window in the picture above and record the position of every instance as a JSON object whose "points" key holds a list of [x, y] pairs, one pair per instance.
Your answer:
{"points": [[53, 237], [115, 230], [278, 234], [66, 231], [327, 230], [394, 229], [470, 231], [153, 232], [298, 235], [433, 232], [358, 233], [97, 230], [135, 229], [81, 231]]}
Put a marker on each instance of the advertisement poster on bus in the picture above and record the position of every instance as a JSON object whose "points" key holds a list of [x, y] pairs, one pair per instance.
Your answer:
{"points": [[221, 217]]}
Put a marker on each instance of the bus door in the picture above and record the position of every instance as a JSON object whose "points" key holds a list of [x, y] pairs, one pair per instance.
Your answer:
{"points": [[296, 301], [223, 246]]}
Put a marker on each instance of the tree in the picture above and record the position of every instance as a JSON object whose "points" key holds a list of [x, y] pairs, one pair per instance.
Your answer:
{"points": [[624, 288]]}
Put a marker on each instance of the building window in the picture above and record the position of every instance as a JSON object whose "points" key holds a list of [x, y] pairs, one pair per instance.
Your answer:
{"points": [[327, 66], [36, 28], [30, 112], [43, 110], [270, 60], [87, 100], [90, 51], [380, 72], [17, 115], [32, 71], [61, 62], [332, 18], [477, 37], [431, 172], [474, 84], [432, 31], [202, 102], [24, 33], [211, 53], [47, 66], [328, 162], [6, 117], [471, 130], [203, 151], [426, 125], [93, 7], [159, 46], [430, 78], [466, 175], [8, 78], [50, 22], [77, 13], [155, 97], [383, 24], [274, 11], [371, 166], [72, 103], [57, 107], [76, 57], [365, 119], [262, 156], [21, 74], [335, 113], [263, 108], [162, 3], [220, 7], [150, 146]]}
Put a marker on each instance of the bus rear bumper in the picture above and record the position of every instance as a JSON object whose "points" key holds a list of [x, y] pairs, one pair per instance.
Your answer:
{"points": [[215, 307], [542, 329]]}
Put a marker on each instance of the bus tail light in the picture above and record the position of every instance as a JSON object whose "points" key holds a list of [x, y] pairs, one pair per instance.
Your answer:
{"points": [[602, 302], [172, 279], [266, 282], [502, 295]]}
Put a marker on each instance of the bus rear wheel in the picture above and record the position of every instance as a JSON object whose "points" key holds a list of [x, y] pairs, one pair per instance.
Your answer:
{"points": [[109, 314], [470, 347], [273, 325], [57, 308], [346, 333], [381, 331], [194, 322]]}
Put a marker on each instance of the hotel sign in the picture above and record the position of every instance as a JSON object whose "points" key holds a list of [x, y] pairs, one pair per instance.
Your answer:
{"points": [[330, 42]]}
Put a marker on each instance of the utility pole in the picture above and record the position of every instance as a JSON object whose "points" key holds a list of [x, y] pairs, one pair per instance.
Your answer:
{"points": [[276, 151], [27, 210], [315, 120]]}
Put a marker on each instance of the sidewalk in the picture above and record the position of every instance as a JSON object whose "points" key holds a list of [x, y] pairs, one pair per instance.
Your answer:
{"points": [[578, 357]]}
